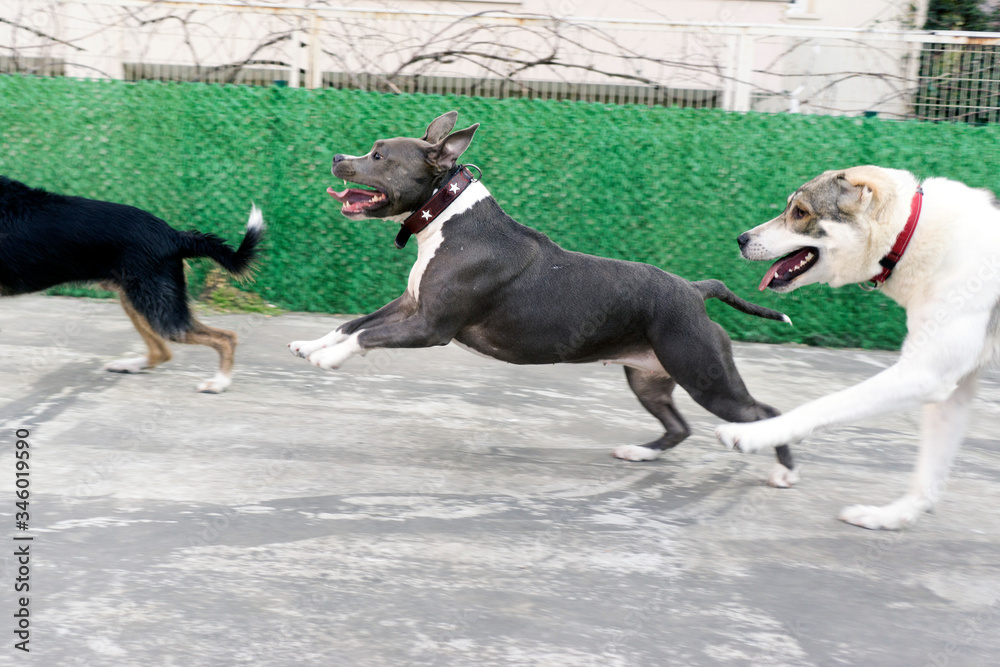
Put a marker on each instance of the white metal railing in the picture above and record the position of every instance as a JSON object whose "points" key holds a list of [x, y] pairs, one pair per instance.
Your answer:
{"points": [[894, 73]]}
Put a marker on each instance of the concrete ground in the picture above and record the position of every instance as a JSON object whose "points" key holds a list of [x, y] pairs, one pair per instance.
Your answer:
{"points": [[431, 507]]}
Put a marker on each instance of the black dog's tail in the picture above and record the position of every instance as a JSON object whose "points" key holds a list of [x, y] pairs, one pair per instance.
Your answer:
{"points": [[716, 289], [238, 262]]}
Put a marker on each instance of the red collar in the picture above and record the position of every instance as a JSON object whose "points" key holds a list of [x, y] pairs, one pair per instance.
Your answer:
{"points": [[889, 262], [433, 207]]}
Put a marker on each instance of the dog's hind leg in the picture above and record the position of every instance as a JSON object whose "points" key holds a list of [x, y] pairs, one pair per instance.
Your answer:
{"points": [[158, 351], [654, 391], [220, 340], [161, 299], [703, 366]]}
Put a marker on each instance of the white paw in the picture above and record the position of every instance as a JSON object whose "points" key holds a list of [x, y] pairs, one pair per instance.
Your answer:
{"points": [[304, 348], [130, 365], [782, 478], [332, 357], [745, 437], [216, 385], [636, 453], [728, 435], [307, 348], [327, 359], [902, 513]]}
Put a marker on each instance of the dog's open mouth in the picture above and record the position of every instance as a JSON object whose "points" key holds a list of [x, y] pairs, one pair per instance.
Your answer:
{"points": [[358, 200], [788, 268]]}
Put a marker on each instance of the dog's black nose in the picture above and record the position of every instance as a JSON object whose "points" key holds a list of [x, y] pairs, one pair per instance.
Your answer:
{"points": [[339, 158], [743, 239]]}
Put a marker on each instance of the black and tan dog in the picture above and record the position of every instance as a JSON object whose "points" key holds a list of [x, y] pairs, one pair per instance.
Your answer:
{"points": [[489, 284], [48, 239]]}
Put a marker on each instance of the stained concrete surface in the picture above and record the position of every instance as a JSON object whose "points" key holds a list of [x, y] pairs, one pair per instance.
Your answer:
{"points": [[431, 507]]}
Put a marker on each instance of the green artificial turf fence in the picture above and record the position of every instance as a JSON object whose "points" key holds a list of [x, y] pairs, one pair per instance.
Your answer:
{"points": [[671, 187]]}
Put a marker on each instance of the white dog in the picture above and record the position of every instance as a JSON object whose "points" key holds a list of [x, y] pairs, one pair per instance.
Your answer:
{"points": [[854, 226]]}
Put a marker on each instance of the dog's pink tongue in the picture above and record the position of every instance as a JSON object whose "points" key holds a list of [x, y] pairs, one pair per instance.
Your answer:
{"points": [[788, 267], [766, 280], [341, 196], [352, 196]]}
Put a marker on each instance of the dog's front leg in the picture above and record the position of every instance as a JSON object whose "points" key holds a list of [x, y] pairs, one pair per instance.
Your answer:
{"points": [[942, 431], [415, 331], [393, 311], [892, 390], [928, 371], [304, 348]]}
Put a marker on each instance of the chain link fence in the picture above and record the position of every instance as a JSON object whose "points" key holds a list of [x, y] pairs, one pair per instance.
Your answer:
{"points": [[959, 83], [671, 187]]}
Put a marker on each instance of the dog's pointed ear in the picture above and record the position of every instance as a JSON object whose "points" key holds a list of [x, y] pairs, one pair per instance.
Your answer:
{"points": [[855, 194], [440, 127], [866, 189], [447, 151]]}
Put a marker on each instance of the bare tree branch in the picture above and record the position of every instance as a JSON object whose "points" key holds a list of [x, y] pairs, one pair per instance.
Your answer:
{"points": [[488, 48], [39, 33]]}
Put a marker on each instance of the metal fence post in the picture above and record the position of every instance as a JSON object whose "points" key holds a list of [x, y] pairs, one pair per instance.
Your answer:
{"points": [[729, 82], [314, 73], [295, 60], [744, 70]]}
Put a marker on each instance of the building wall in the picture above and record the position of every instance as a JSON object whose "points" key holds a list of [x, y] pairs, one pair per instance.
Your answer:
{"points": [[832, 13], [689, 46]]}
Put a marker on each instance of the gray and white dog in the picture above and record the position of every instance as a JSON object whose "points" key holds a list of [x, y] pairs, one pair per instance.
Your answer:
{"points": [[934, 247], [489, 284]]}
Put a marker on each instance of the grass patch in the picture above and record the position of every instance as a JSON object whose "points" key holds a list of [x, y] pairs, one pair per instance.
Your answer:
{"points": [[220, 294], [81, 289]]}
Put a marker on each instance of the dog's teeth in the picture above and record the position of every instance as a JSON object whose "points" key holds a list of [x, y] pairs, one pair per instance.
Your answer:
{"points": [[809, 256]]}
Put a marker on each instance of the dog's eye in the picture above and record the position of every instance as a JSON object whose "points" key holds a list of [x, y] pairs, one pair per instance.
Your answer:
{"points": [[376, 156], [798, 213]]}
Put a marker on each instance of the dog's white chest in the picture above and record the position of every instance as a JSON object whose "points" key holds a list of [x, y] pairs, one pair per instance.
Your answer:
{"points": [[430, 238], [426, 247]]}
